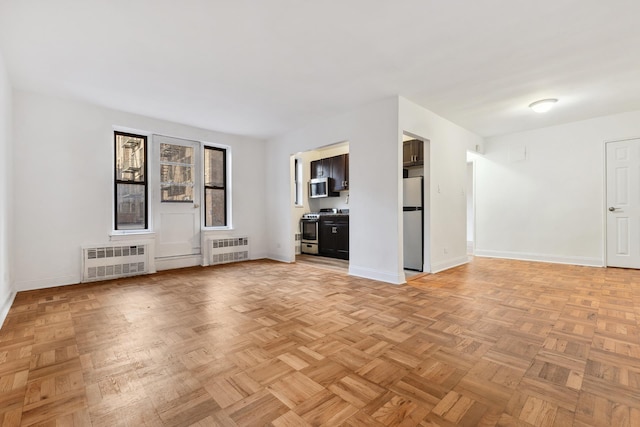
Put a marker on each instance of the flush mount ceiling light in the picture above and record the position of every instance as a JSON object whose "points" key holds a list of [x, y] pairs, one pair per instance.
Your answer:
{"points": [[543, 105]]}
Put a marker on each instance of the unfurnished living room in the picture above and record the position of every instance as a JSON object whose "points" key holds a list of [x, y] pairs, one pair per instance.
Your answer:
{"points": [[294, 213]]}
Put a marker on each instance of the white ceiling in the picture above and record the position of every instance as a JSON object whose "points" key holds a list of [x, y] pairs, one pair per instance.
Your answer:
{"points": [[262, 67]]}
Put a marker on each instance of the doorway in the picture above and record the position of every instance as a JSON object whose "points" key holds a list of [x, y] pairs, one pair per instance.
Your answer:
{"points": [[623, 203], [415, 204], [328, 214], [471, 216], [176, 198]]}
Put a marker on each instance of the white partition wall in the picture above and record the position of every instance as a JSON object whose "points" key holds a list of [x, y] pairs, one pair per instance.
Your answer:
{"points": [[373, 192], [374, 133], [6, 211], [446, 246]]}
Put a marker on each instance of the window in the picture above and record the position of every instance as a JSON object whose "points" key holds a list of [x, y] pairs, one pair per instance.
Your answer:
{"points": [[130, 181], [176, 173], [215, 187], [297, 172]]}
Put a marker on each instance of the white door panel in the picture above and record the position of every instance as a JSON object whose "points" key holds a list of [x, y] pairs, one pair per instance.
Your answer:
{"points": [[176, 198], [623, 203]]}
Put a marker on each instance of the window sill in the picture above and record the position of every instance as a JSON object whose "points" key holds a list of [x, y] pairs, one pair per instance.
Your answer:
{"points": [[212, 229]]}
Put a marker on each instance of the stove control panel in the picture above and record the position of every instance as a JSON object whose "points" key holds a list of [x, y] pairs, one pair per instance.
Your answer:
{"points": [[311, 216]]}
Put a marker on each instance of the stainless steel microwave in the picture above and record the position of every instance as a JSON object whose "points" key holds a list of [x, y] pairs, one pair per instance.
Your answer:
{"points": [[319, 187]]}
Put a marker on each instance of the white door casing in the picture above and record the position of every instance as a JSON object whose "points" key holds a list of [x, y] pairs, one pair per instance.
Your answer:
{"points": [[623, 203], [176, 197]]}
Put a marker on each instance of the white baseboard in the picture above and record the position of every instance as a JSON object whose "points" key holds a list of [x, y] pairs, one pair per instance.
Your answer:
{"points": [[48, 282], [261, 255], [555, 259], [170, 263], [280, 258], [4, 309], [381, 276], [450, 263]]}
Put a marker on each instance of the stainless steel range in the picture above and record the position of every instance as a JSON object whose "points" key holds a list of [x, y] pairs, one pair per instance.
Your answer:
{"points": [[309, 229]]}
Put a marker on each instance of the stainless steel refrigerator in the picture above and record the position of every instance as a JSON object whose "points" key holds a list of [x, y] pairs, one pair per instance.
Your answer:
{"points": [[413, 223]]}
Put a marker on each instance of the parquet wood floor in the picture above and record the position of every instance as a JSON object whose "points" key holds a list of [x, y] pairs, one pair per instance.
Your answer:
{"points": [[340, 265], [492, 343]]}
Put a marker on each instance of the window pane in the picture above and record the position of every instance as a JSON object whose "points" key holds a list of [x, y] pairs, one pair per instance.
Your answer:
{"points": [[298, 181], [176, 154], [176, 173], [176, 193], [214, 168], [130, 156], [214, 208], [176, 182], [130, 207]]}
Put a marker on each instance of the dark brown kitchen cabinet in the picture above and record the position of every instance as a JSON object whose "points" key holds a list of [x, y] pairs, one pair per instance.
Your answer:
{"points": [[336, 168], [412, 153], [320, 169], [339, 172], [333, 236]]}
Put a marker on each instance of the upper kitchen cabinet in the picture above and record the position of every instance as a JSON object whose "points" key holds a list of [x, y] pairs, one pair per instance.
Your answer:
{"points": [[336, 167], [412, 153], [320, 169], [340, 172]]}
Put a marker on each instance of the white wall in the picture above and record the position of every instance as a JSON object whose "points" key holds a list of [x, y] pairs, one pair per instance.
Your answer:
{"points": [[6, 212], [446, 186], [372, 132], [539, 194], [63, 183]]}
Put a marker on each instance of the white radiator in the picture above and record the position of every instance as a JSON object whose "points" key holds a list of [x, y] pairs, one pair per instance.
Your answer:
{"points": [[231, 249], [113, 261]]}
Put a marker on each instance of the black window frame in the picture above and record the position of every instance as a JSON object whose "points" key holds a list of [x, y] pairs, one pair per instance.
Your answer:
{"points": [[213, 187], [117, 181]]}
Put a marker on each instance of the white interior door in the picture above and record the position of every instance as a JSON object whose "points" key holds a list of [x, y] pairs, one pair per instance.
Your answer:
{"points": [[623, 203], [176, 197]]}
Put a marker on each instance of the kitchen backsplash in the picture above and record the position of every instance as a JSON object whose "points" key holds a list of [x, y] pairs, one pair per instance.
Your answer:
{"points": [[340, 202]]}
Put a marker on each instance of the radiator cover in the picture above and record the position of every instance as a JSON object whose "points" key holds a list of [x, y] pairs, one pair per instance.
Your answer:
{"points": [[229, 249], [113, 261]]}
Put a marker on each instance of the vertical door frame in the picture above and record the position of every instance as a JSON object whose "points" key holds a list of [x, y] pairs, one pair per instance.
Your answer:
{"points": [[426, 202], [155, 189], [605, 249], [604, 254], [474, 165]]}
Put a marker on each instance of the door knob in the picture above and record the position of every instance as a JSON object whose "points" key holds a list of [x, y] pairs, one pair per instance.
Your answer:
{"points": [[196, 206], [612, 209]]}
